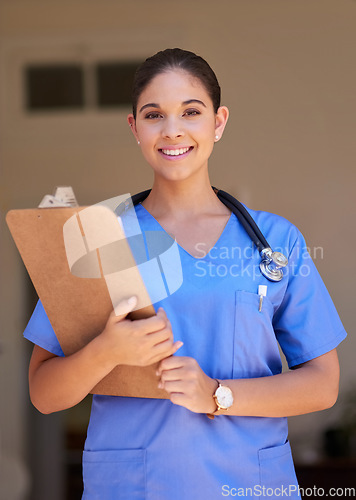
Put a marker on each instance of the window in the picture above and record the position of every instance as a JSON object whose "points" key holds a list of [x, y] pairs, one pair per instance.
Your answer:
{"points": [[114, 83], [54, 87], [64, 87]]}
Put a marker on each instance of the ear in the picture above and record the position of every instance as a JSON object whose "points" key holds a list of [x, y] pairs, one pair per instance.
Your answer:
{"points": [[221, 118], [132, 123]]}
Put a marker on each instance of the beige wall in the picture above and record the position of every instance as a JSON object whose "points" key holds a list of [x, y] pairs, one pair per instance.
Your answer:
{"points": [[288, 76]]}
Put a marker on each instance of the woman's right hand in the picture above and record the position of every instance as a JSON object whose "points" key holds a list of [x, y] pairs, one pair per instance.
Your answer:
{"points": [[140, 342], [57, 383]]}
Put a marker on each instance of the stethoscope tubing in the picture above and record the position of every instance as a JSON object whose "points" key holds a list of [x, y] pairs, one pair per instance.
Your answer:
{"points": [[244, 217], [236, 208], [271, 261]]}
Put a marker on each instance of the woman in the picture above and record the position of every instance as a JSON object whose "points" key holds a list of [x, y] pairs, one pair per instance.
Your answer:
{"points": [[228, 364]]}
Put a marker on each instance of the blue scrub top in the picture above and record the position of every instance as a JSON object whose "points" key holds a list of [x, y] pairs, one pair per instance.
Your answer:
{"points": [[150, 449]]}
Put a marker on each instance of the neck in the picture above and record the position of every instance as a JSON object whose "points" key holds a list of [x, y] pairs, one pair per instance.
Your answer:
{"points": [[181, 199]]}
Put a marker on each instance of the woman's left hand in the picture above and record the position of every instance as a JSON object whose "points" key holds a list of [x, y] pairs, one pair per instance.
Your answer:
{"points": [[187, 384]]}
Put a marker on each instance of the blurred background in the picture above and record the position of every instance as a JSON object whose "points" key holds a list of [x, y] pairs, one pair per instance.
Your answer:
{"points": [[288, 75]]}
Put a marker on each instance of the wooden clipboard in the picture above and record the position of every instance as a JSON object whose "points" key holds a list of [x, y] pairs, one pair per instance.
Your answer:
{"points": [[78, 308]]}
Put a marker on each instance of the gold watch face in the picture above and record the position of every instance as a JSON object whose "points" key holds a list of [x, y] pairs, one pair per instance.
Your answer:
{"points": [[224, 396]]}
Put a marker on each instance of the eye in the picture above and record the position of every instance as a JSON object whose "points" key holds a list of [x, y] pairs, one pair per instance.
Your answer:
{"points": [[191, 112], [152, 115]]}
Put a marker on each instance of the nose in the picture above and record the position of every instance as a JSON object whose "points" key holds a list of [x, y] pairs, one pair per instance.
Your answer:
{"points": [[172, 128]]}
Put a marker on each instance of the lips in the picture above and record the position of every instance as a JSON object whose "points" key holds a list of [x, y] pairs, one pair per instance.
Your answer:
{"points": [[175, 152]]}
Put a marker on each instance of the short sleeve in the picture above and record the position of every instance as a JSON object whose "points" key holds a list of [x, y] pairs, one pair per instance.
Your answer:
{"points": [[39, 331], [306, 323]]}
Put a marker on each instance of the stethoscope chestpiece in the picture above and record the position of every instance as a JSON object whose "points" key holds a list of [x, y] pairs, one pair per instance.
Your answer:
{"points": [[272, 264]]}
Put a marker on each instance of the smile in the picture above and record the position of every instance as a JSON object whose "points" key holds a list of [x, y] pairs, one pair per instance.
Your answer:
{"points": [[175, 152]]}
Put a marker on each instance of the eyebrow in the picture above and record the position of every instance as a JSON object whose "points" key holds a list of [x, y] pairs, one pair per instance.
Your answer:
{"points": [[184, 103]]}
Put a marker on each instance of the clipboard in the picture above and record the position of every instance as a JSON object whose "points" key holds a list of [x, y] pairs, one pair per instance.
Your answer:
{"points": [[77, 307]]}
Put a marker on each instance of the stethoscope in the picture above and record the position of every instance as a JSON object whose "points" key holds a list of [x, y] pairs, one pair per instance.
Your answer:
{"points": [[272, 263]]}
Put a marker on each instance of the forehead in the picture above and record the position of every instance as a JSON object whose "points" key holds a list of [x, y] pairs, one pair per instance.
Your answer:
{"points": [[174, 86]]}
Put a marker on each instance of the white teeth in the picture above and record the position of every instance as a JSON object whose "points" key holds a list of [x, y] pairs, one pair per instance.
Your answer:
{"points": [[175, 152]]}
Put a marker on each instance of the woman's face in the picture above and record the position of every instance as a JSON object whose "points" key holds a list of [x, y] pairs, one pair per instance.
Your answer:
{"points": [[176, 125]]}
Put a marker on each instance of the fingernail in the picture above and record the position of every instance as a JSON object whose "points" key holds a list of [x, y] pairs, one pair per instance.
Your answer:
{"points": [[132, 300], [180, 344]]}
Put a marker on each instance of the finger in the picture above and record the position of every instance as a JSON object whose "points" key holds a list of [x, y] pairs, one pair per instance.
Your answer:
{"points": [[122, 309], [169, 375], [155, 338], [152, 324], [177, 345], [171, 363], [162, 351], [169, 324], [165, 349], [178, 398], [161, 312], [172, 386], [161, 315]]}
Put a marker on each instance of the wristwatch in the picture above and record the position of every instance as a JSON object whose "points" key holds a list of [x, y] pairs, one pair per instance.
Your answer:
{"points": [[223, 397]]}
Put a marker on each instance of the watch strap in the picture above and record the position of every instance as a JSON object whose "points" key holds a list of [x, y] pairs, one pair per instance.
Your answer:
{"points": [[218, 407]]}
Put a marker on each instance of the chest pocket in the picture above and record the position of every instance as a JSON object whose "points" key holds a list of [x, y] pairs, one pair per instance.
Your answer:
{"points": [[256, 352]]}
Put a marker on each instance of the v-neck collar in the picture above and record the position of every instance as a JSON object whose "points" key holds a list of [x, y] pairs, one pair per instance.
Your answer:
{"points": [[218, 241]]}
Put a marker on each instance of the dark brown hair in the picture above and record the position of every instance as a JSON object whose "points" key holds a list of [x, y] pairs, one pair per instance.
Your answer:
{"points": [[171, 59]]}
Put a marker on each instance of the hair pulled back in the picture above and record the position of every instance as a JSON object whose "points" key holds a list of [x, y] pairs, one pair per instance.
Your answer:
{"points": [[171, 59]]}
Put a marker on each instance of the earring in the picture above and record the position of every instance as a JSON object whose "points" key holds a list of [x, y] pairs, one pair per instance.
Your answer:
{"points": [[138, 142], [216, 137]]}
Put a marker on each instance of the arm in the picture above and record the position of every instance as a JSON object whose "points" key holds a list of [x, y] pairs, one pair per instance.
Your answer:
{"points": [[57, 383], [312, 386]]}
